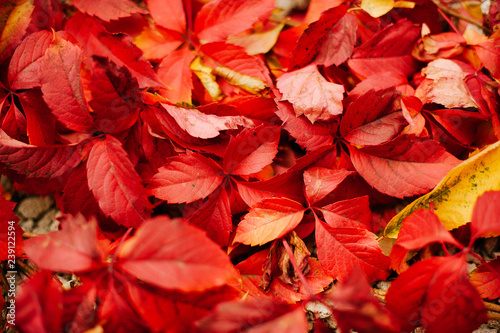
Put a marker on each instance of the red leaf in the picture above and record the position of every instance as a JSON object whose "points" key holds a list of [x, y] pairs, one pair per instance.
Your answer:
{"points": [[77, 187], [32, 161], [437, 294], [115, 97], [118, 48], [14, 123], [309, 136], [342, 249], [419, 230], [26, 64], [269, 220], [115, 183], [222, 18], [38, 305], [174, 70], [186, 178], [350, 213], [214, 216], [62, 87], [108, 10], [316, 37], [74, 248], [258, 316], [387, 51], [40, 122], [201, 125], [310, 94], [488, 52], [251, 150], [383, 81], [355, 307], [486, 279], [319, 182], [369, 108], [403, 167], [153, 255], [168, 14], [486, 216]]}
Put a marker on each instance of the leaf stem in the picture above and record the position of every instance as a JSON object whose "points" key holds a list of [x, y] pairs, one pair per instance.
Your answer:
{"points": [[301, 276], [118, 248]]}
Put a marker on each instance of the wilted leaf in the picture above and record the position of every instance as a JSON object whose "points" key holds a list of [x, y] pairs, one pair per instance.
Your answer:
{"points": [[311, 94], [14, 21]]}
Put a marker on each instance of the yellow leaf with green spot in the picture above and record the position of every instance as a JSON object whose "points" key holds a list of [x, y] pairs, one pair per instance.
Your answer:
{"points": [[454, 197]]}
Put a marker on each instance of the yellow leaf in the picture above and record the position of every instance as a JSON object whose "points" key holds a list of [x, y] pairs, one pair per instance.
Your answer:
{"points": [[251, 84], [15, 17], [204, 73], [377, 8], [454, 197]]}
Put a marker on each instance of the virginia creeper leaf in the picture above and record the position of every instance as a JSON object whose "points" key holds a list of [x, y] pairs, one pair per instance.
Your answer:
{"points": [[341, 249], [488, 52], [186, 178], [486, 216], [174, 70], [319, 182], [115, 183], [437, 294], [454, 197], [419, 230], [387, 51], [403, 169], [355, 307], [254, 316], [486, 279], [109, 10], [201, 125], [33, 161], [214, 216], [153, 255], [74, 248], [62, 87], [310, 94], [118, 48], [350, 213], [251, 150], [221, 18], [39, 305], [268, 220], [26, 64], [168, 14]]}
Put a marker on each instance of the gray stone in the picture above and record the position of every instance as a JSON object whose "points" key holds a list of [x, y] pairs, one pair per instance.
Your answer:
{"points": [[33, 207]]}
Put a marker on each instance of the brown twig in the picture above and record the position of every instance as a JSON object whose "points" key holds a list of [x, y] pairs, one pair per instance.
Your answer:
{"points": [[492, 307], [493, 315], [453, 13]]}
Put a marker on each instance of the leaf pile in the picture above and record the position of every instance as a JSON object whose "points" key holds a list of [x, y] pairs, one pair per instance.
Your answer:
{"points": [[222, 165]]}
